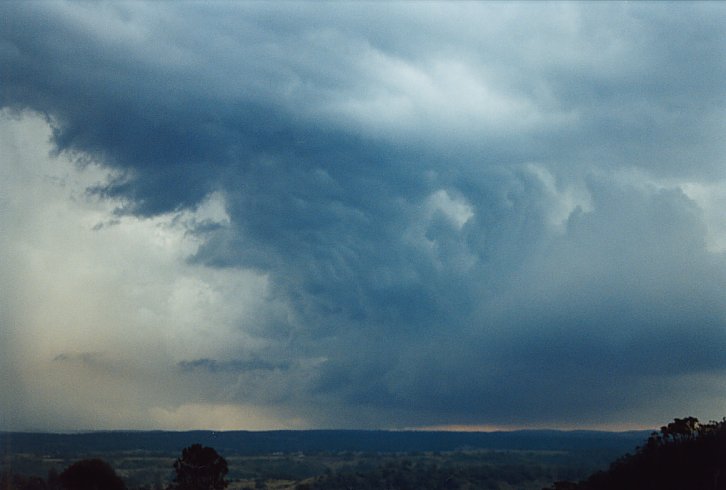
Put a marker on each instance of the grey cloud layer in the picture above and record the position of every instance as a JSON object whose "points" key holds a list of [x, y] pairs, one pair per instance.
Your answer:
{"points": [[439, 193]]}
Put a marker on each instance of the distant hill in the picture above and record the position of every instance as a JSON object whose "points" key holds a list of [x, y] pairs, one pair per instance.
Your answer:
{"points": [[261, 442]]}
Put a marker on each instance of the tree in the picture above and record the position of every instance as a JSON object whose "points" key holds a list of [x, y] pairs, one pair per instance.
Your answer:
{"points": [[684, 454], [199, 468], [90, 474]]}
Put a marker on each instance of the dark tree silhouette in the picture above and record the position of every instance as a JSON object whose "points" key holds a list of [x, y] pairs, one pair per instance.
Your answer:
{"points": [[685, 454], [199, 468], [90, 474]]}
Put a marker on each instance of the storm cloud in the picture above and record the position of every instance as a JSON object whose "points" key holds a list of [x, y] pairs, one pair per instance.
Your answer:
{"points": [[432, 214]]}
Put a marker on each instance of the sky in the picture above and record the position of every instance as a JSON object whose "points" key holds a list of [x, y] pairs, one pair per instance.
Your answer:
{"points": [[300, 215]]}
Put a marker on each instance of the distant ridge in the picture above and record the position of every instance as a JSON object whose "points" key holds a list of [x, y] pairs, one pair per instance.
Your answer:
{"points": [[257, 442]]}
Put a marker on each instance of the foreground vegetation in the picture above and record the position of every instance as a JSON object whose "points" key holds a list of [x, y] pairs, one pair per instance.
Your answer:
{"points": [[685, 454]]}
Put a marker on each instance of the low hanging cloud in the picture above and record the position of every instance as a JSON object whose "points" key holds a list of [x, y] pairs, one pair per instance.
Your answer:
{"points": [[390, 215], [236, 365]]}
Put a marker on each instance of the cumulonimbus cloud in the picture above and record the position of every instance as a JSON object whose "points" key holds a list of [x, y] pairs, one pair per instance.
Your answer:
{"points": [[460, 213]]}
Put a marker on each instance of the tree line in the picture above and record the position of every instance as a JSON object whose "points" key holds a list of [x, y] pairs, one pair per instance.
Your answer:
{"points": [[684, 454], [198, 468]]}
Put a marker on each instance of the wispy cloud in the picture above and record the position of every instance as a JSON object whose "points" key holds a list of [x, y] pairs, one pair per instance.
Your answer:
{"points": [[236, 365]]}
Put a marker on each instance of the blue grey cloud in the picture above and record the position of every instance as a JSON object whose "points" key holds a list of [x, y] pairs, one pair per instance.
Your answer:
{"points": [[473, 212]]}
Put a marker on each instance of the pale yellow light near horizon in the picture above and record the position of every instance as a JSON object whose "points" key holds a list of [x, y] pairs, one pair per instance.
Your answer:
{"points": [[97, 309]]}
